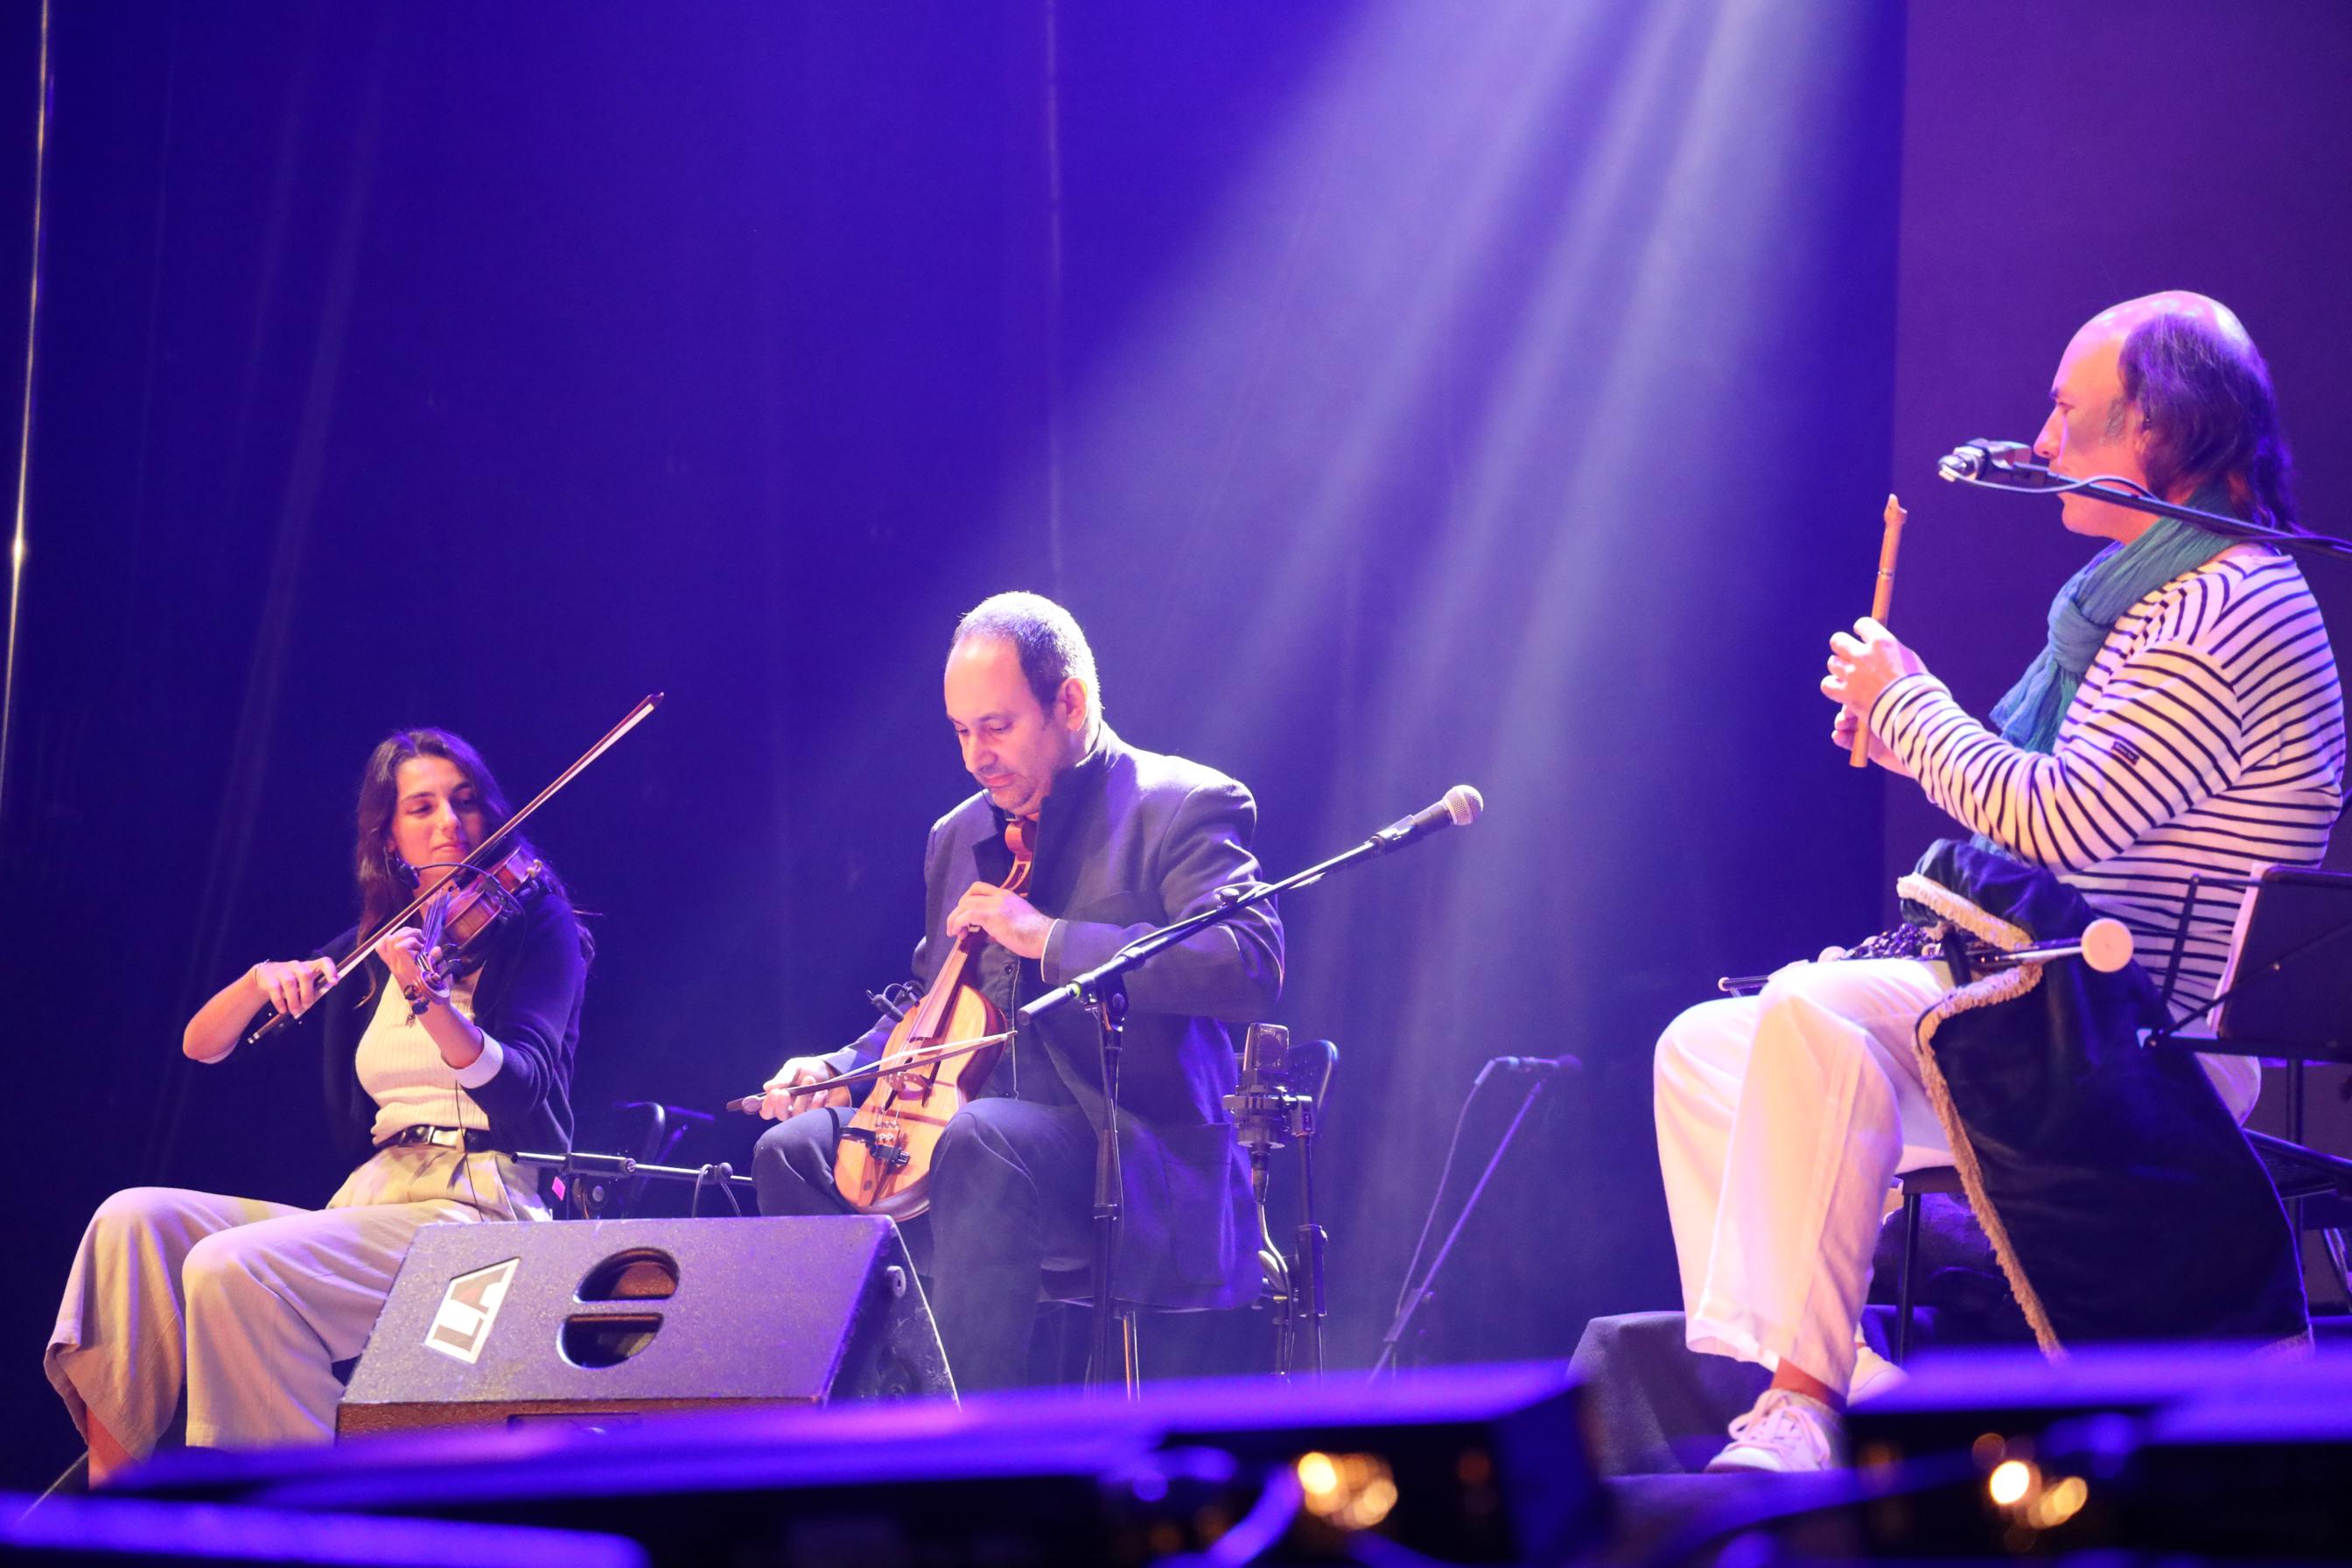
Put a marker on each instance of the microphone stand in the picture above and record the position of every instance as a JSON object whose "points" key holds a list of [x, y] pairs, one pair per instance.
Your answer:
{"points": [[587, 1176], [1421, 1290], [1102, 992], [2122, 492]]}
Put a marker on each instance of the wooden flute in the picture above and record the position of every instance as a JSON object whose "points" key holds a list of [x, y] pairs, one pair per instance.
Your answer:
{"points": [[1882, 600]]}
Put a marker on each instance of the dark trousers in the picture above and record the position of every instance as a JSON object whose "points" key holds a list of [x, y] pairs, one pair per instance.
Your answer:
{"points": [[1012, 1193]]}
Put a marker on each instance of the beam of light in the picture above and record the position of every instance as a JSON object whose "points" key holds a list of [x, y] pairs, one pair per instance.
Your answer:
{"points": [[1256, 304], [17, 545], [1459, 411]]}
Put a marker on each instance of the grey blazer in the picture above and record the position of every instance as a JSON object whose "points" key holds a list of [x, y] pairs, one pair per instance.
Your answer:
{"points": [[1128, 840]]}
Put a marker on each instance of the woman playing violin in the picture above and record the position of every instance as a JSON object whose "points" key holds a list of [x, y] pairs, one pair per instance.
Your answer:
{"points": [[440, 1063]]}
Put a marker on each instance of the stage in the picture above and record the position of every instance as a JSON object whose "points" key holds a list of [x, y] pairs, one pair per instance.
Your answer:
{"points": [[2137, 1452], [1499, 406]]}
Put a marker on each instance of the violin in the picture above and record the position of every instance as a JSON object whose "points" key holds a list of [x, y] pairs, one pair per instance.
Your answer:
{"points": [[459, 921], [482, 908], [937, 1060]]}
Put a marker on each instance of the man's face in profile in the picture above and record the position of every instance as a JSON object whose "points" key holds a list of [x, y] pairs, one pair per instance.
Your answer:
{"points": [[2092, 432]]}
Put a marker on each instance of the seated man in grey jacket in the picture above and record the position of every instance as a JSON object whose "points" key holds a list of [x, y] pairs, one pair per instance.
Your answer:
{"points": [[1123, 840]]}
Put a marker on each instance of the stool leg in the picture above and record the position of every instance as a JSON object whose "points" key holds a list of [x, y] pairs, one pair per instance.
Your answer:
{"points": [[1132, 1353], [1903, 1278]]}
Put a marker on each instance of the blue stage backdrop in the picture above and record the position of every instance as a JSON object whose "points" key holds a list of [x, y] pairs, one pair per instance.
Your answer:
{"points": [[2023, 215], [1401, 394]]}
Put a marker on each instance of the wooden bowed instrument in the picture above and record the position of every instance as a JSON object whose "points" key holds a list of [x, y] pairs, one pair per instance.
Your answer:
{"points": [[932, 1067]]}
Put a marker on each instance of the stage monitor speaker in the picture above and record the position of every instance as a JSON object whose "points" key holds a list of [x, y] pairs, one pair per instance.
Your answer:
{"points": [[587, 1321]]}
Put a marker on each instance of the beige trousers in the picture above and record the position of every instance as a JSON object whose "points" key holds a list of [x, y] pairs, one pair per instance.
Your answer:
{"points": [[242, 1307]]}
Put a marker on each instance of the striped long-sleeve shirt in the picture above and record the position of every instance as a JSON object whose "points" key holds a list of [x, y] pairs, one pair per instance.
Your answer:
{"points": [[2207, 739]]}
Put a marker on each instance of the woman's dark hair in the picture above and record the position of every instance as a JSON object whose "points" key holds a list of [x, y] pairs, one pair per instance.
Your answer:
{"points": [[383, 885], [2204, 396]]}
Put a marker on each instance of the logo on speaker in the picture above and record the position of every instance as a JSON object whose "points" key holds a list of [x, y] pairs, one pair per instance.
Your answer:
{"points": [[468, 1308]]}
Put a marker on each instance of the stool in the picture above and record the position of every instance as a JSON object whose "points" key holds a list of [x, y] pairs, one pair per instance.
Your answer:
{"points": [[1075, 1287], [1916, 1184], [1277, 1102]]}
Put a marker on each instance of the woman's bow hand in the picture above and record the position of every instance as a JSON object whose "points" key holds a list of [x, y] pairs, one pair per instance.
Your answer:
{"points": [[292, 988]]}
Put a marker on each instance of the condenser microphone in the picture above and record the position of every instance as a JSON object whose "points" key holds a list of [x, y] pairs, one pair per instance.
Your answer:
{"points": [[2012, 463], [2105, 944], [1460, 809]]}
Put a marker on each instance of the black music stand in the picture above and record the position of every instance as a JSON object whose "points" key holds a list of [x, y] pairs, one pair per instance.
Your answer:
{"points": [[2284, 996]]}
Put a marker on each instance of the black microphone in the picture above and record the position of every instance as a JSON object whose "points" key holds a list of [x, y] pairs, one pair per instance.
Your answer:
{"points": [[1460, 809], [1537, 1066], [1982, 460]]}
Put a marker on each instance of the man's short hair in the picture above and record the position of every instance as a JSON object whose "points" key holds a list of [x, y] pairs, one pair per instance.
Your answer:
{"points": [[1052, 647], [2205, 397]]}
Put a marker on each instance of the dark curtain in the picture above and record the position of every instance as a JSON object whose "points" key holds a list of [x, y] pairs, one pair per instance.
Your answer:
{"points": [[1401, 394]]}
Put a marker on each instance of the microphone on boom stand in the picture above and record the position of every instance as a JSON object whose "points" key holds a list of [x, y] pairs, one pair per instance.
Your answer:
{"points": [[1460, 809], [1419, 1286], [2105, 944], [1985, 460], [2011, 465], [1530, 1067], [1101, 990]]}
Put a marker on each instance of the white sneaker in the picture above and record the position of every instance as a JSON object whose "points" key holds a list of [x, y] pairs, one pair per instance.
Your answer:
{"points": [[1874, 1375], [1784, 1434]]}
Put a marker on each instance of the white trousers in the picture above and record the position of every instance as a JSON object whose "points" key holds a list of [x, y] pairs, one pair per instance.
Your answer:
{"points": [[1783, 1119], [243, 1306]]}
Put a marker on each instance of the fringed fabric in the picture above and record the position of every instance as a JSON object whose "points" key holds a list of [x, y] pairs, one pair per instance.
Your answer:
{"points": [[2000, 985]]}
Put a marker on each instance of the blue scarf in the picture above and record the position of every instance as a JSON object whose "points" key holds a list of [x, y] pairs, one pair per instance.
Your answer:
{"points": [[2086, 610]]}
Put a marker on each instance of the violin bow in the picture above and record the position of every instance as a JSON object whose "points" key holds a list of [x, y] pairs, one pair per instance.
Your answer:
{"points": [[750, 1104]]}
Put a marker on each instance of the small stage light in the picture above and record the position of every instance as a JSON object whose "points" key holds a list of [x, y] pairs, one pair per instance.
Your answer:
{"points": [[1354, 1491], [2061, 1501]]}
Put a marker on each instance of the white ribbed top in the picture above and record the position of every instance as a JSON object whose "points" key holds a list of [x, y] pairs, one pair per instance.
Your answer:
{"points": [[403, 1072]]}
